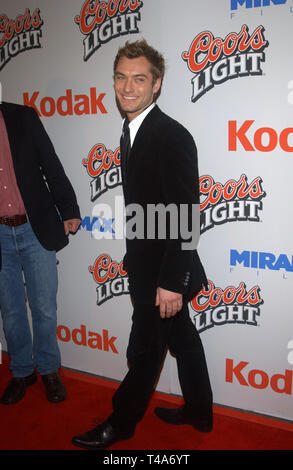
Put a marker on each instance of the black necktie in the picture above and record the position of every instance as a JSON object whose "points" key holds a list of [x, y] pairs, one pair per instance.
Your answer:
{"points": [[125, 145]]}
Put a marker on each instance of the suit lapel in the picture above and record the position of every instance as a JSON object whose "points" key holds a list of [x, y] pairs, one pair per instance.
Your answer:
{"points": [[143, 135], [145, 128]]}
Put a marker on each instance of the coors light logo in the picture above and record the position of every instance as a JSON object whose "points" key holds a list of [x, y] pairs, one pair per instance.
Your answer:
{"points": [[20, 34], [111, 278], [100, 22], [229, 202], [216, 60], [215, 306], [103, 166]]}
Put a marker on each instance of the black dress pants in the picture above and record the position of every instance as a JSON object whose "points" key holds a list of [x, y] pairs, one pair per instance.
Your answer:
{"points": [[149, 337]]}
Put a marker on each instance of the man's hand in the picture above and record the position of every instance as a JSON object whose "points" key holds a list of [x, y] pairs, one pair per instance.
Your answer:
{"points": [[170, 302], [71, 225]]}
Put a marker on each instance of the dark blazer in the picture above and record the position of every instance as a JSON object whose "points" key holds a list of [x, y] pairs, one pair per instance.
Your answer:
{"points": [[46, 191], [162, 168]]}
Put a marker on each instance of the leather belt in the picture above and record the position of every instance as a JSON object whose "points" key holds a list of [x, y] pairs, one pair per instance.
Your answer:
{"points": [[14, 221]]}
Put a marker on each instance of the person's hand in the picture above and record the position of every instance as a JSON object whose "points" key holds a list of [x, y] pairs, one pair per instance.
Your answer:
{"points": [[169, 302], [71, 225]]}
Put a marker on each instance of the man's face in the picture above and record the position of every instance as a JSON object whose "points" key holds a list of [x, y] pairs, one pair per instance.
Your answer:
{"points": [[134, 87]]}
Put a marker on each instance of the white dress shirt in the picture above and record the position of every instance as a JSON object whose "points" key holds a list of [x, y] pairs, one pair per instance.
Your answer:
{"points": [[135, 124]]}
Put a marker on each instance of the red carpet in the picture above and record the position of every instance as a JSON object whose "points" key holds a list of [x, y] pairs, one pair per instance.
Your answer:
{"points": [[36, 424]]}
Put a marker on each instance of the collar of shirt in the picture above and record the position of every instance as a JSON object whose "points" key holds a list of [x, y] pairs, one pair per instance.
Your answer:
{"points": [[135, 124]]}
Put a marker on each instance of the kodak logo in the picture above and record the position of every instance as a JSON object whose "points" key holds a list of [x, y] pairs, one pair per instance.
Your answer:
{"points": [[91, 339], [264, 139], [67, 104], [256, 378]]}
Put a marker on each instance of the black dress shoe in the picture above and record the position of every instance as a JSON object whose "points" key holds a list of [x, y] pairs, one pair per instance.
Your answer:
{"points": [[182, 416], [16, 388], [55, 390], [101, 437]]}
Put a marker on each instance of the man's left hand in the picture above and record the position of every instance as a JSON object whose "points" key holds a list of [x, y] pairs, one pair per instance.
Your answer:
{"points": [[71, 225], [169, 302]]}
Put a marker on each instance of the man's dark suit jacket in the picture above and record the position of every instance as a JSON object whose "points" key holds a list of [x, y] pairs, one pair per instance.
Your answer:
{"points": [[162, 169], [47, 193]]}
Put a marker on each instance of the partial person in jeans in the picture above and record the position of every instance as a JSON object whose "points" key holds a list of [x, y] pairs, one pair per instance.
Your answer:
{"points": [[38, 210]]}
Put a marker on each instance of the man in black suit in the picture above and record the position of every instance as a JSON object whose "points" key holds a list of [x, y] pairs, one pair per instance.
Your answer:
{"points": [[38, 209], [159, 167]]}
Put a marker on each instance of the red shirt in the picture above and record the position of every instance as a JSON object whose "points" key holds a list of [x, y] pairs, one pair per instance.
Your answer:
{"points": [[11, 202]]}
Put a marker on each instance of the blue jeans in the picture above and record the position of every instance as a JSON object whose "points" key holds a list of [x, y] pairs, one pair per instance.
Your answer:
{"points": [[29, 271]]}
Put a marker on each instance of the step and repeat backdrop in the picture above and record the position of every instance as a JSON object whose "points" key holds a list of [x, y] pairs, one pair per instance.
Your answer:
{"points": [[229, 80]]}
